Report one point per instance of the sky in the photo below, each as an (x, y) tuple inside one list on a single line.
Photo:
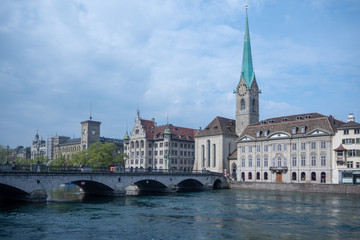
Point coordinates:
[(61, 61)]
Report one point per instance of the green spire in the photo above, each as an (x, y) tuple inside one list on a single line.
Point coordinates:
[(247, 67), (126, 137)]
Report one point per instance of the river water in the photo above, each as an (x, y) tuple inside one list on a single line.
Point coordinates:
[(221, 214)]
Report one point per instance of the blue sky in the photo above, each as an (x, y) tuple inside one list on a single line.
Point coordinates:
[(177, 57)]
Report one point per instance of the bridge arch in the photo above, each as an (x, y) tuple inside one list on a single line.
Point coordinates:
[(190, 185), (12, 192), (149, 185), (93, 187), (218, 184)]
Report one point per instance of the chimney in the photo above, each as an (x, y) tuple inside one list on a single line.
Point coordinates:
[(351, 117)]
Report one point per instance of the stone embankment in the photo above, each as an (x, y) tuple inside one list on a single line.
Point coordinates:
[(297, 187)]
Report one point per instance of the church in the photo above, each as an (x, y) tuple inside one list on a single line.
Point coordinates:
[(291, 149)]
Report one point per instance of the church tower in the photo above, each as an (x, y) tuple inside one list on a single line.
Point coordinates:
[(247, 91)]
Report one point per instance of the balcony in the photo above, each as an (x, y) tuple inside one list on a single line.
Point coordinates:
[(281, 169)]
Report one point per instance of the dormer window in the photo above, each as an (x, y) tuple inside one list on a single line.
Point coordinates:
[(258, 132), (271, 121), (266, 132), (299, 117), (284, 119), (308, 116), (293, 130), (302, 129)]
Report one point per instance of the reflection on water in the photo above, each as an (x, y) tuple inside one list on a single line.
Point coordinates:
[(66, 193), (223, 214)]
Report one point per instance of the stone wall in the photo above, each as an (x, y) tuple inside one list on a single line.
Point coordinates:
[(301, 187)]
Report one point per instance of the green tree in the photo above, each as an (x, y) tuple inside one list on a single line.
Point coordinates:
[(99, 155)]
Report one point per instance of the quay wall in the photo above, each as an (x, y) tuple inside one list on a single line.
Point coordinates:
[(298, 187)]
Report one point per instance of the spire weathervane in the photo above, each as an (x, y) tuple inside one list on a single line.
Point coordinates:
[(246, 6)]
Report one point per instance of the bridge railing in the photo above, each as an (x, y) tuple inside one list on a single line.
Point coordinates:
[(37, 168)]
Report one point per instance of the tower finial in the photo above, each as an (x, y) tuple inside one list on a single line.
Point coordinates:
[(90, 112), (246, 6)]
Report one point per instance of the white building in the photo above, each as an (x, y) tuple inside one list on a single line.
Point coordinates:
[(346, 147)]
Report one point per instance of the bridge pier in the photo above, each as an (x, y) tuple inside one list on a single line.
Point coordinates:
[(36, 196)]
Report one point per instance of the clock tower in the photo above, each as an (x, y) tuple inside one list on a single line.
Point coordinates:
[(247, 91), (90, 133)]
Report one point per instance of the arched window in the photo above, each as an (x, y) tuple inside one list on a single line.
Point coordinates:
[(203, 155), (132, 144), (258, 175), (242, 104), (137, 144), (313, 176), (250, 175), (233, 166), (293, 176), (253, 105), (214, 150), (208, 153), (265, 176), (303, 176), (279, 147), (142, 143), (243, 176), (323, 177), (279, 162)]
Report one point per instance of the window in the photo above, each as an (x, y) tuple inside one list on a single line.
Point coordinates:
[(303, 161), (214, 151), (208, 152), (346, 132), (303, 146), (266, 132), (250, 175), (242, 104), (294, 161), (293, 130), (351, 153), (348, 141), (350, 164), (150, 161), (279, 162), (243, 162), (285, 147), (250, 162), (358, 165), (303, 176), (322, 144), (357, 131), (250, 148), (302, 129), (323, 160), (203, 155), (161, 144), (265, 148), (293, 146), (273, 147), (243, 149), (313, 176), (313, 161), (161, 152), (266, 162), (257, 176), (293, 176), (265, 176), (258, 148), (279, 147), (313, 145), (258, 162), (258, 133), (136, 161)]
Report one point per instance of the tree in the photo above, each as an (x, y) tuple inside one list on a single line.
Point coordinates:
[(99, 155)]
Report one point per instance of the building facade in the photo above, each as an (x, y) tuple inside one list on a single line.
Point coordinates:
[(159, 147), (38, 147), (346, 146), (90, 133), (292, 149), (215, 144)]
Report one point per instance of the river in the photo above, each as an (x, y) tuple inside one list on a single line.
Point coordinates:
[(220, 214)]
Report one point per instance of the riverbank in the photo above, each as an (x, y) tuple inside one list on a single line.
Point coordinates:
[(297, 187)]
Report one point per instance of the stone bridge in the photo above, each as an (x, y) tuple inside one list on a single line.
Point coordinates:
[(35, 186)]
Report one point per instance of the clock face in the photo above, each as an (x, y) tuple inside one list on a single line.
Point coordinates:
[(242, 90), (93, 132)]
